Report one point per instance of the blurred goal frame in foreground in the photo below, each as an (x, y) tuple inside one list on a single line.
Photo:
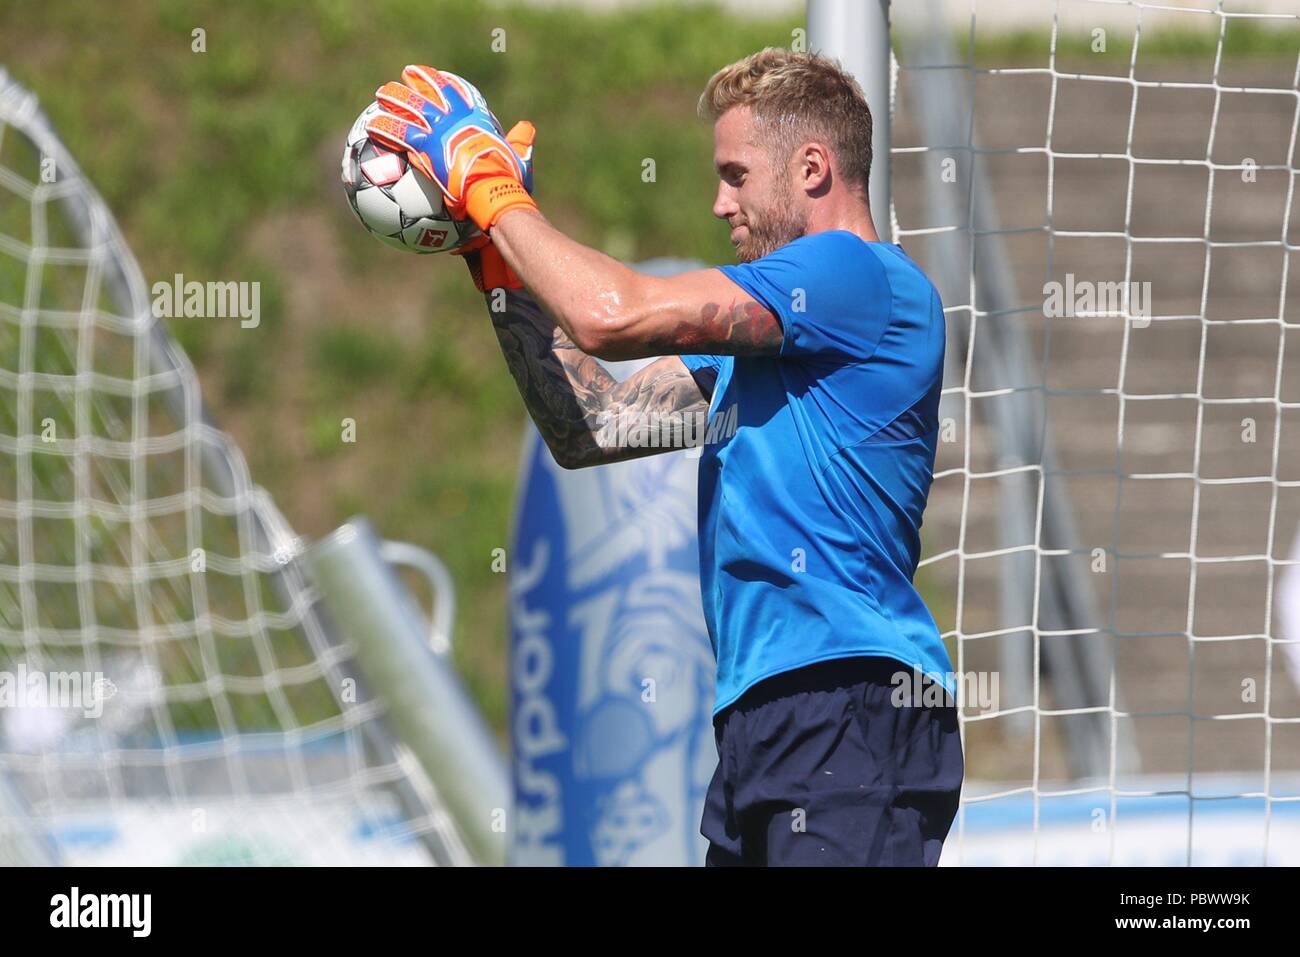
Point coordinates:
[(366, 661)]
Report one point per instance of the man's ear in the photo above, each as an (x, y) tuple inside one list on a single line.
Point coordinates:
[(815, 167)]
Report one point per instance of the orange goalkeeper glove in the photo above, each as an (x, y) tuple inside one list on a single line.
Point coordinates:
[(445, 127)]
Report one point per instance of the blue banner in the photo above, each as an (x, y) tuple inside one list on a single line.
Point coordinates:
[(611, 669)]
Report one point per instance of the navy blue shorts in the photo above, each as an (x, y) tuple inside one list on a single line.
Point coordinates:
[(817, 766)]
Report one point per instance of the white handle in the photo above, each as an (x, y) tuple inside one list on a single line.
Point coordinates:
[(439, 579)]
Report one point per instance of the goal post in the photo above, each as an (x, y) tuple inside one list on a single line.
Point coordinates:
[(856, 33)]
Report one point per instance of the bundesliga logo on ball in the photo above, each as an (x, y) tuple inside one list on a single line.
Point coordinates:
[(394, 200)]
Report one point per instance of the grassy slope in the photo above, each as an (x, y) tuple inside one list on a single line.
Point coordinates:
[(223, 165)]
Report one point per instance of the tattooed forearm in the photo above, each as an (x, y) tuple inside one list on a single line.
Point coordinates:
[(741, 329), (585, 416)]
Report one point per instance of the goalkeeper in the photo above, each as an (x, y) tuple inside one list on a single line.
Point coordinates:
[(823, 349)]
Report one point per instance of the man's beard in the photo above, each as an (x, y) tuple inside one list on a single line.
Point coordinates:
[(769, 230)]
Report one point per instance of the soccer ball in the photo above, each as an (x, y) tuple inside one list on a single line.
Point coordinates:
[(394, 200)]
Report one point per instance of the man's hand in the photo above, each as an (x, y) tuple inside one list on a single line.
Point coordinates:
[(446, 129)]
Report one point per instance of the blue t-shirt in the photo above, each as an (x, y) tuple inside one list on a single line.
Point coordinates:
[(816, 466)]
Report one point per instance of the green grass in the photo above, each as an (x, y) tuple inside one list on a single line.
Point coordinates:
[(344, 354)]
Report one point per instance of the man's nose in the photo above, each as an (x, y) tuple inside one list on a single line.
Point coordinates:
[(725, 202)]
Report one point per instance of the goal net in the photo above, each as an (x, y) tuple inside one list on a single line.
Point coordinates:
[(1106, 194), (170, 690)]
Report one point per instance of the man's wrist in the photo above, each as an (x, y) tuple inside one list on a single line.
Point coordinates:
[(487, 200), (527, 210)]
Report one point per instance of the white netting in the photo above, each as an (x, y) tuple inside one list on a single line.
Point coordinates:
[(1118, 489), (143, 575)]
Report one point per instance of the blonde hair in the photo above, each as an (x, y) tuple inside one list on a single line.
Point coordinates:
[(796, 97)]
